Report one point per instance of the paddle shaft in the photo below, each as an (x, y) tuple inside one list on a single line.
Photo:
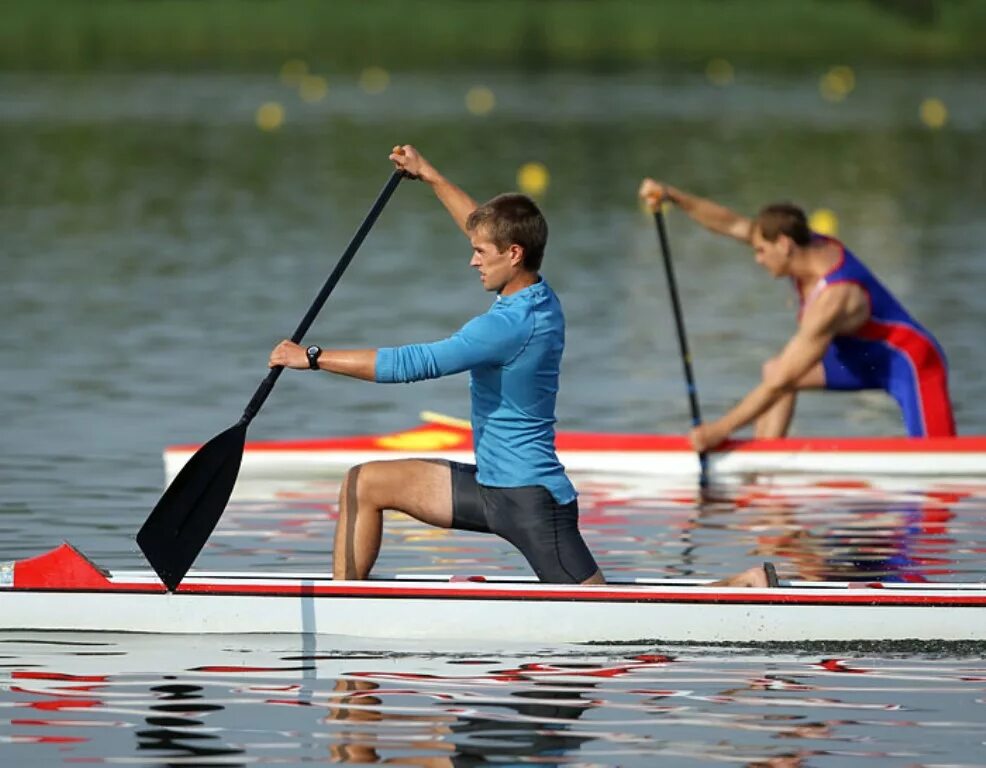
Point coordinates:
[(185, 516), (679, 322), (260, 396)]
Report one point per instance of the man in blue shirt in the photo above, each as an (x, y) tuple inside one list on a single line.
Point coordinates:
[(517, 489)]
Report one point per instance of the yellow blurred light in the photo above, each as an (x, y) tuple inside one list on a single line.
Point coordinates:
[(270, 116), (837, 83), (374, 79), (533, 178), (313, 88), (824, 222), (480, 100), (292, 71), (846, 76), (934, 113), (719, 72), (425, 534)]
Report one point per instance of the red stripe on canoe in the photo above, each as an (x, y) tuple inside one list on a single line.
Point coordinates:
[(453, 438)]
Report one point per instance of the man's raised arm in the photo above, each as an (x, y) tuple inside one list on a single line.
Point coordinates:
[(714, 217), (459, 205), (834, 311)]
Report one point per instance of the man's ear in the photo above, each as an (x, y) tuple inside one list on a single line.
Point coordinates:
[(516, 255), (788, 244)]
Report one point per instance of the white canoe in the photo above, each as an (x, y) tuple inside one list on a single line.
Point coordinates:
[(641, 454), (62, 590)]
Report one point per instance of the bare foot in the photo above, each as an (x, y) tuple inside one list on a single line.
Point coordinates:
[(758, 577), (596, 578)]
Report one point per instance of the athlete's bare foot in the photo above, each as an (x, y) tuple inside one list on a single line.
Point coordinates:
[(596, 578), (759, 577)]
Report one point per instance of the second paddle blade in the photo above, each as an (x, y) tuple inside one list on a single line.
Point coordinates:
[(184, 518)]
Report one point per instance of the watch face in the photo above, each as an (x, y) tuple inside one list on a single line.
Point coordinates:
[(313, 350)]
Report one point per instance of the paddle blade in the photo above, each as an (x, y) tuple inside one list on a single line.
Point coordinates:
[(183, 519)]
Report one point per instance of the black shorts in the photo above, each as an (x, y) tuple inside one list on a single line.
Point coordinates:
[(545, 532)]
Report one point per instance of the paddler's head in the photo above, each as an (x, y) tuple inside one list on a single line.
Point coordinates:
[(779, 231), (508, 235)]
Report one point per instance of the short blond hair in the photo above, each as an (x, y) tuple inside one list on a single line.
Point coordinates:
[(513, 219)]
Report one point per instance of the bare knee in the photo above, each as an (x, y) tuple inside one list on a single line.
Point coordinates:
[(364, 482), (419, 488), (348, 489), (389, 485), (365, 485), (349, 479)]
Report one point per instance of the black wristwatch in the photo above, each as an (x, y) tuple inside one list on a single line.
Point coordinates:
[(313, 352)]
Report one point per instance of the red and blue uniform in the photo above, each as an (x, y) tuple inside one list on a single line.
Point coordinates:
[(890, 351)]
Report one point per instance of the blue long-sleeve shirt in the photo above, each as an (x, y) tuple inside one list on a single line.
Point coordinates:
[(513, 352)]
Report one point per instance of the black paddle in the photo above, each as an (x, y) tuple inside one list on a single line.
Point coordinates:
[(178, 527), (686, 357)]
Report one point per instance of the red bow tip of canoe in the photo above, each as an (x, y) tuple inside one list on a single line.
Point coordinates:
[(64, 567)]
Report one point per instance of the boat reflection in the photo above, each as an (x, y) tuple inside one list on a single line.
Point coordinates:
[(812, 528), (831, 534), (179, 733), (265, 699), (535, 716), (831, 530), (531, 725)]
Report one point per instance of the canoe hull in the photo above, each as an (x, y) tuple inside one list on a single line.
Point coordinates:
[(63, 591), (478, 619), (635, 454)]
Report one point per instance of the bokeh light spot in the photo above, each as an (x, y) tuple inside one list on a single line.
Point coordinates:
[(720, 72), (480, 100), (837, 83), (292, 71), (270, 116), (374, 79), (824, 222), (533, 178), (934, 113), (313, 88)]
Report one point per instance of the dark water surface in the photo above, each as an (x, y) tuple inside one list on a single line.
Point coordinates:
[(156, 244)]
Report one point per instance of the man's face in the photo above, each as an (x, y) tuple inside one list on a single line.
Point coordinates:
[(775, 256), (495, 267)]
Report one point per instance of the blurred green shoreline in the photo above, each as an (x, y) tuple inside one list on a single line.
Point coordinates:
[(429, 35)]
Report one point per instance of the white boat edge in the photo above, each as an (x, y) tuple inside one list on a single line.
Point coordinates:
[(91, 600)]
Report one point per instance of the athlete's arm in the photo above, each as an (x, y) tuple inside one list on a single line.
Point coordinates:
[(714, 217), (490, 339), (358, 363), (458, 203), (836, 310)]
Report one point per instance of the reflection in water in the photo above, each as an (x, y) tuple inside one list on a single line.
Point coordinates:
[(186, 739), (257, 700), (835, 536), (527, 725), (824, 529), (363, 727)]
